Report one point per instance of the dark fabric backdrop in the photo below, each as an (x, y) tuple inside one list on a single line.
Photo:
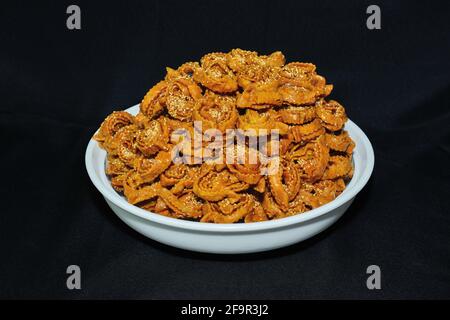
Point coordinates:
[(57, 85)]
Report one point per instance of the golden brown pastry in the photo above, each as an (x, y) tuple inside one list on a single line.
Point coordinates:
[(216, 112), (215, 74), (261, 123), (332, 114), (288, 152)]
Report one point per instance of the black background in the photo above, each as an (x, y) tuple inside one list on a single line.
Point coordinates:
[(57, 85)]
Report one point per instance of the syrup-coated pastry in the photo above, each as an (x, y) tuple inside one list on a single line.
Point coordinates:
[(332, 114), (261, 123), (236, 137), (252, 69), (307, 132), (153, 138), (285, 182), (228, 210), (154, 101), (180, 177), (123, 145), (301, 85), (256, 214), (321, 192), (241, 60), (150, 168), (176, 96), (215, 74), (338, 167), (297, 115), (245, 164), (181, 97), (340, 142), (186, 70), (312, 159), (112, 124), (216, 112), (188, 205), (214, 184), (260, 95)]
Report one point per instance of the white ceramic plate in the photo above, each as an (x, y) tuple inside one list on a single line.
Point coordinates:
[(233, 238)]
